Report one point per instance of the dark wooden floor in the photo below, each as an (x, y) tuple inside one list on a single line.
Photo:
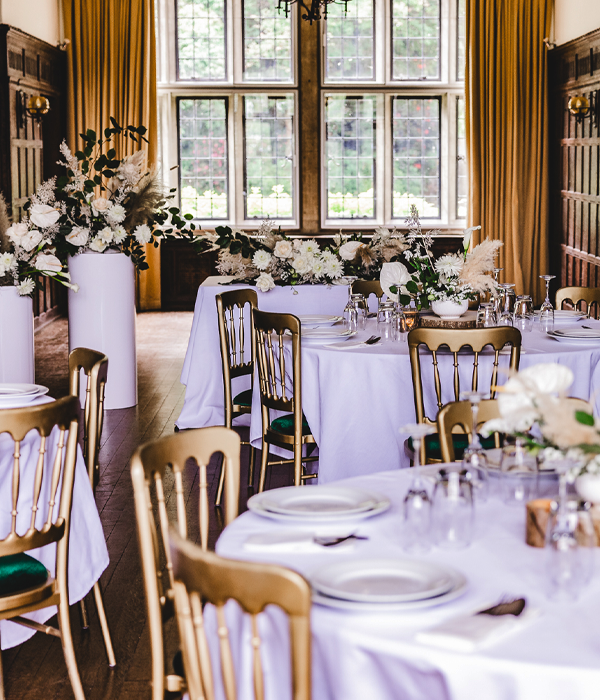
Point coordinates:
[(36, 669)]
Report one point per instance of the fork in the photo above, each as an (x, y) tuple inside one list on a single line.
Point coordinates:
[(332, 541)]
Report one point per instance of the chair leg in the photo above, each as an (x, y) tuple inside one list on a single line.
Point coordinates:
[(251, 466), (66, 637), (221, 481), (297, 465), (264, 458), (2, 696), (110, 654), (83, 614)]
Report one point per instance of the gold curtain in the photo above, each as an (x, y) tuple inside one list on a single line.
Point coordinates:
[(112, 73), (507, 132)]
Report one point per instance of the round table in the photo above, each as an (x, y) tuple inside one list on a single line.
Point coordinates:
[(355, 400), (375, 655)]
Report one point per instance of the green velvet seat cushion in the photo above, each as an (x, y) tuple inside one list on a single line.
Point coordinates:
[(19, 572), (461, 442), (285, 424), (243, 399)]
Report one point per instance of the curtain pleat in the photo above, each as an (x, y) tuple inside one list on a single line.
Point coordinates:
[(112, 73), (507, 132)]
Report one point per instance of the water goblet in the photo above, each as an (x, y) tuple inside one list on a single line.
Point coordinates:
[(475, 462), (497, 271), (546, 309), (417, 504)]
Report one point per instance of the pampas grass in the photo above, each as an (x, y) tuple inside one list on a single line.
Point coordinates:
[(478, 264), (4, 226), (144, 200)]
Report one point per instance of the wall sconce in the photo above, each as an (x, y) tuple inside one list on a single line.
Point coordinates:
[(35, 107), (581, 108)]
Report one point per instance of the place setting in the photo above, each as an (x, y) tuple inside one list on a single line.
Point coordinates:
[(20, 394)]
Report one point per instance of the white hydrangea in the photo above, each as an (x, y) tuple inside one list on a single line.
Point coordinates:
[(261, 259)]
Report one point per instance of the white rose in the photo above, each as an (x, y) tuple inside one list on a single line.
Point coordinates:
[(98, 245), (31, 240), (106, 235), (116, 214), (100, 205), (16, 232), (283, 249), (393, 274), (261, 259), (43, 215), (79, 236), (301, 264), (119, 234), (143, 234), (264, 282), (348, 250), (47, 263), (26, 287)]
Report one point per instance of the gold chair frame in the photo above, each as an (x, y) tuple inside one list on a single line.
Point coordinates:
[(205, 577), (17, 422), (366, 288), (273, 392), (455, 339), (232, 340), (576, 295), (148, 468), (457, 417)]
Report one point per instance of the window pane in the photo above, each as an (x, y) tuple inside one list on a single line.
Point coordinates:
[(461, 161), (461, 31), (203, 157), (350, 156), (201, 40), (267, 42), (269, 153), (416, 39), (350, 41), (416, 156)]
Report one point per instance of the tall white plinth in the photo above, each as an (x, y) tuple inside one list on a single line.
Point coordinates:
[(17, 363), (102, 317)]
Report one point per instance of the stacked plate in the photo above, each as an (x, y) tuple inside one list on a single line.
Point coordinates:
[(376, 585), (576, 334), (311, 504), (565, 315), (317, 336), (16, 395), (318, 320)]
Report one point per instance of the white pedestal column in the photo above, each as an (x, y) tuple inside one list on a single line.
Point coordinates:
[(17, 363), (102, 317)]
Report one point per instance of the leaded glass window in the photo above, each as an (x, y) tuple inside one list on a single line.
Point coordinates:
[(201, 33), (415, 39), (267, 42), (350, 41), (462, 183)]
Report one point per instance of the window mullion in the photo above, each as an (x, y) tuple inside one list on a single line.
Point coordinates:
[(236, 157), (380, 138), (235, 36)]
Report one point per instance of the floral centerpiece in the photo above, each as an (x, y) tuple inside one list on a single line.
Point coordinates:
[(454, 277), (269, 258)]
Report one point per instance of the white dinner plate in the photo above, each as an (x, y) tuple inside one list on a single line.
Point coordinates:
[(577, 332), (19, 389), (574, 338), (565, 315), (383, 580), (318, 336), (10, 397), (318, 320), (329, 501)]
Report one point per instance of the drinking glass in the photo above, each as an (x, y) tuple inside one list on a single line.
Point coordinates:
[(523, 314), (411, 316), (475, 462), (399, 330), (486, 315), (546, 309), (385, 319), (417, 504), (452, 510), (505, 317), (355, 313), (519, 470)]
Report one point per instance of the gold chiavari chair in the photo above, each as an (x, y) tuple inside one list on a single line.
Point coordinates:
[(150, 477), (441, 341), (455, 426), (203, 577), (281, 390), (366, 288), (25, 583), (95, 367), (576, 295), (235, 326)]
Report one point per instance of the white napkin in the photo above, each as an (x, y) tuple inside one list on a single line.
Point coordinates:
[(348, 346), (468, 633), (290, 541)]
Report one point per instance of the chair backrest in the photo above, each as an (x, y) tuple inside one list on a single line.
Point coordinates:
[(576, 295), (95, 367), (280, 385), (457, 417), (236, 330), (454, 340), (366, 288), (48, 491), (205, 577), (149, 473)]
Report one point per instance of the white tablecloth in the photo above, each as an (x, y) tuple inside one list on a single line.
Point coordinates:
[(202, 371), (375, 655), (356, 400), (88, 555)]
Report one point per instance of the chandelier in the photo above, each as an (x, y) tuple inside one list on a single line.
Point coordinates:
[(314, 10)]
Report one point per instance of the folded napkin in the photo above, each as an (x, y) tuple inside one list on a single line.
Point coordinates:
[(470, 632), (291, 541), (349, 345)]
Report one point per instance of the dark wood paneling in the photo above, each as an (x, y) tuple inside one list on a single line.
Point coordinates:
[(575, 164)]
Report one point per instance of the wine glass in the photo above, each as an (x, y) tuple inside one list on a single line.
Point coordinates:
[(348, 279), (546, 309), (497, 271), (523, 314), (417, 504), (475, 461)]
